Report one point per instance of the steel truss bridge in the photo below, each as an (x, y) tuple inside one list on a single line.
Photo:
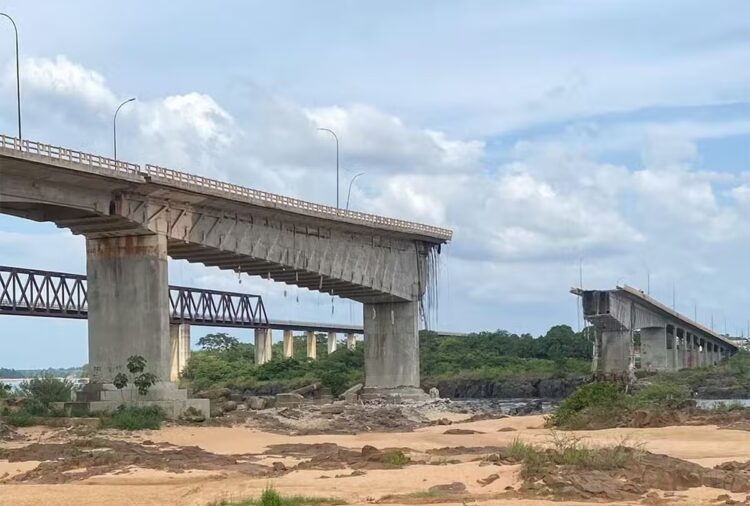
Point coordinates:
[(29, 292)]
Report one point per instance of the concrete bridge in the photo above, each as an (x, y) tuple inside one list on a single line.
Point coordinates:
[(134, 217), (668, 340)]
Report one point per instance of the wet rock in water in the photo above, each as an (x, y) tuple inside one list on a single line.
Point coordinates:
[(461, 432), (449, 488)]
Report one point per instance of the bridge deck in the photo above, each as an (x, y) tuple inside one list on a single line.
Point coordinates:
[(86, 162)]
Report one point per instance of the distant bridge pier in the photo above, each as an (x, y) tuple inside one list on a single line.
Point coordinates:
[(288, 343), (332, 344), (312, 345), (179, 340), (263, 345), (351, 341), (128, 305), (654, 349)]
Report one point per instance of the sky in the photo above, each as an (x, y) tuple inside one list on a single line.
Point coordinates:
[(605, 137)]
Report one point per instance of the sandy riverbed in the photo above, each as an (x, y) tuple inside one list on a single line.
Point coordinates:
[(705, 445)]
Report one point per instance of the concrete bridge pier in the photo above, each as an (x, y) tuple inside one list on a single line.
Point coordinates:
[(128, 302), (392, 350), (179, 339), (614, 350), (332, 343), (288, 344), (128, 314), (351, 341), (263, 346), (653, 348), (312, 345)]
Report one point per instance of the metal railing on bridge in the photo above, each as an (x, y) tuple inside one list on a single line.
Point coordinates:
[(29, 292)]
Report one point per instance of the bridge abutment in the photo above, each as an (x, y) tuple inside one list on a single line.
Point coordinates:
[(392, 350), (128, 304)]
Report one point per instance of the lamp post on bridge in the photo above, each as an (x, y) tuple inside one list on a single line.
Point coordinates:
[(337, 161), (18, 74), (349, 193), (114, 127)]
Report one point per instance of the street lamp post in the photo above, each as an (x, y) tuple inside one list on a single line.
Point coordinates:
[(114, 125), (18, 74), (337, 162), (349, 193)]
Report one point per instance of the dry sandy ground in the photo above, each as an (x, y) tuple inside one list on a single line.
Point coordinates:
[(706, 445)]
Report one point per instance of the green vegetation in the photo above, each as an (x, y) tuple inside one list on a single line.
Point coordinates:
[(46, 389), (226, 362), (135, 418), (570, 451), (397, 459), (33, 373), (588, 404), (4, 390), (36, 394), (271, 497), (141, 380)]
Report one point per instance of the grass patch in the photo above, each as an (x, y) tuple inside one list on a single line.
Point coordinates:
[(396, 459), (570, 451), (270, 497), (135, 418)]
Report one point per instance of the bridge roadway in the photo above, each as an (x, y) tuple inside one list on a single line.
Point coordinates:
[(668, 340), (134, 217)]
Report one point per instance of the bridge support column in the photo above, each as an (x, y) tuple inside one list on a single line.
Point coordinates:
[(288, 344), (654, 349), (263, 343), (312, 345), (614, 354), (179, 339), (332, 344), (392, 350), (128, 301), (351, 341)]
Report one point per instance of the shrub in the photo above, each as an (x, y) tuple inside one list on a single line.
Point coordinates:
[(596, 400), (662, 395), (396, 459), (135, 418), (19, 419), (46, 389)]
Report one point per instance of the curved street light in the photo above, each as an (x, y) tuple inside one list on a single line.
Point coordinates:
[(337, 161), (114, 125), (18, 74), (349, 193)]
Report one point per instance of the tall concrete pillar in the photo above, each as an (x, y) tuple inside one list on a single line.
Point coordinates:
[(288, 344), (128, 305), (702, 354), (312, 345), (392, 349), (263, 346), (671, 350), (654, 349), (332, 344), (179, 340), (351, 341), (614, 351)]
